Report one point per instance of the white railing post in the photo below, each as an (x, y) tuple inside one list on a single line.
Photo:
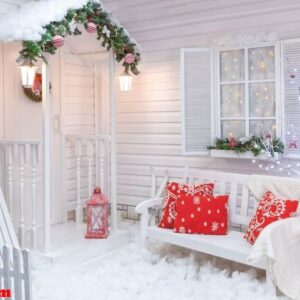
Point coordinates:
[(90, 161), (10, 185), (21, 230), (46, 157), (101, 163), (78, 146), (15, 187), (113, 155), (33, 164)]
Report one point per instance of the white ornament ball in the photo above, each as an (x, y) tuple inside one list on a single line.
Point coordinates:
[(58, 41)]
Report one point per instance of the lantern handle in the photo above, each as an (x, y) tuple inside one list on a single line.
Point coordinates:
[(97, 190)]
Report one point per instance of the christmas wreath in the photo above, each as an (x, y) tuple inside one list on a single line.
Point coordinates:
[(94, 19), (257, 145), (32, 95)]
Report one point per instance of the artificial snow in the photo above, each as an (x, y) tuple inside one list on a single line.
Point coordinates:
[(26, 22), (163, 273)]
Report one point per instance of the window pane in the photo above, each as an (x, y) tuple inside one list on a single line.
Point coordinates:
[(262, 63), (262, 127), (232, 100), (262, 100), (234, 129), (232, 65)]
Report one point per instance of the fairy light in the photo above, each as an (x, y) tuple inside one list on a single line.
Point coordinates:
[(281, 163)]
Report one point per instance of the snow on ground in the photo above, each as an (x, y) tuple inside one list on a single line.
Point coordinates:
[(164, 273)]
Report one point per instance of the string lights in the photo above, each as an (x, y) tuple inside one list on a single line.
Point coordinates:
[(261, 96), (262, 104)]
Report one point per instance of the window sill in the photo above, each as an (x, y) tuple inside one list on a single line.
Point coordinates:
[(234, 154)]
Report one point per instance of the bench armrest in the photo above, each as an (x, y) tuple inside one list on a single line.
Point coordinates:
[(142, 207)]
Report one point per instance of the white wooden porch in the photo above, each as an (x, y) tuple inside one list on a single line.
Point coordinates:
[(55, 176), (88, 157), (68, 245)]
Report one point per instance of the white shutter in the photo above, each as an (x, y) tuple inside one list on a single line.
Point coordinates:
[(197, 99), (290, 57)]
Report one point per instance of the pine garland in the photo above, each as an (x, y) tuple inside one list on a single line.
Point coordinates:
[(117, 39), (257, 145)]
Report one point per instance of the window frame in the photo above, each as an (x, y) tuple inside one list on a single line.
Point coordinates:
[(277, 80)]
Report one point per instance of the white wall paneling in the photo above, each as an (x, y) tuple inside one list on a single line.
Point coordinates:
[(78, 118), (149, 117)]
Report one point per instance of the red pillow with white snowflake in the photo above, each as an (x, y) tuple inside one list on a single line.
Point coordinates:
[(202, 214), (172, 191), (269, 210)]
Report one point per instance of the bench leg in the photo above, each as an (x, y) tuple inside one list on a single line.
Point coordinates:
[(144, 225), (270, 284)]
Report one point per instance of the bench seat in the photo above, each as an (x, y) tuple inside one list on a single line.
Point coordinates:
[(231, 246)]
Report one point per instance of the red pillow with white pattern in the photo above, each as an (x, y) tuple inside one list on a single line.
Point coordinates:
[(172, 191), (202, 214), (269, 210)]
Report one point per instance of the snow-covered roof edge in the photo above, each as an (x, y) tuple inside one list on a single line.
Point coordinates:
[(26, 23), (43, 25)]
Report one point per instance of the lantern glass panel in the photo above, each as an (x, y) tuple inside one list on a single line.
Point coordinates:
[(28, 75), (125, 82), (96, 223)]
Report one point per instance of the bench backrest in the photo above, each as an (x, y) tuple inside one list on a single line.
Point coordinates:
[(241, 203)]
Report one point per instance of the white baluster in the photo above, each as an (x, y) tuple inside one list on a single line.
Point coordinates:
[(101, 164), (33, 164), (21, 231), (10, 161), (90, 160), (78, 158)]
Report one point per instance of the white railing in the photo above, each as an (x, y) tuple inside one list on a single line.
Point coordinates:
[(7, 231), (88, 157), (15, 279), (19, 174)]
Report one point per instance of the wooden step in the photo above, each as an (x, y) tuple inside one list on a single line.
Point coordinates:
[(68, 244)]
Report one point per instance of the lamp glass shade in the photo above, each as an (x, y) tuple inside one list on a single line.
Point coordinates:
[(125, 80), (28, 71)]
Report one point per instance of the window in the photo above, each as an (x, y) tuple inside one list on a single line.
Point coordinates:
[(247, 92), (239, 92)]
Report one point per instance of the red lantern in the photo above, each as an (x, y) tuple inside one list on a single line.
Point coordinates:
[(97, 216)]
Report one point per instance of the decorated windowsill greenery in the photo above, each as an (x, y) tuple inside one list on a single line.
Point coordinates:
[(253, 146)]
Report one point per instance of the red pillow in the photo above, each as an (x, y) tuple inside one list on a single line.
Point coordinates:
[(170, 199), (269, 210), (203, 214)]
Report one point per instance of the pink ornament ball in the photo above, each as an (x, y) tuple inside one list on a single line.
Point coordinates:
[(91, 27), (58, 41), (129, 58)]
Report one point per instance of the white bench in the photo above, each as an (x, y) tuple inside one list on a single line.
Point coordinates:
[(242, 206)]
